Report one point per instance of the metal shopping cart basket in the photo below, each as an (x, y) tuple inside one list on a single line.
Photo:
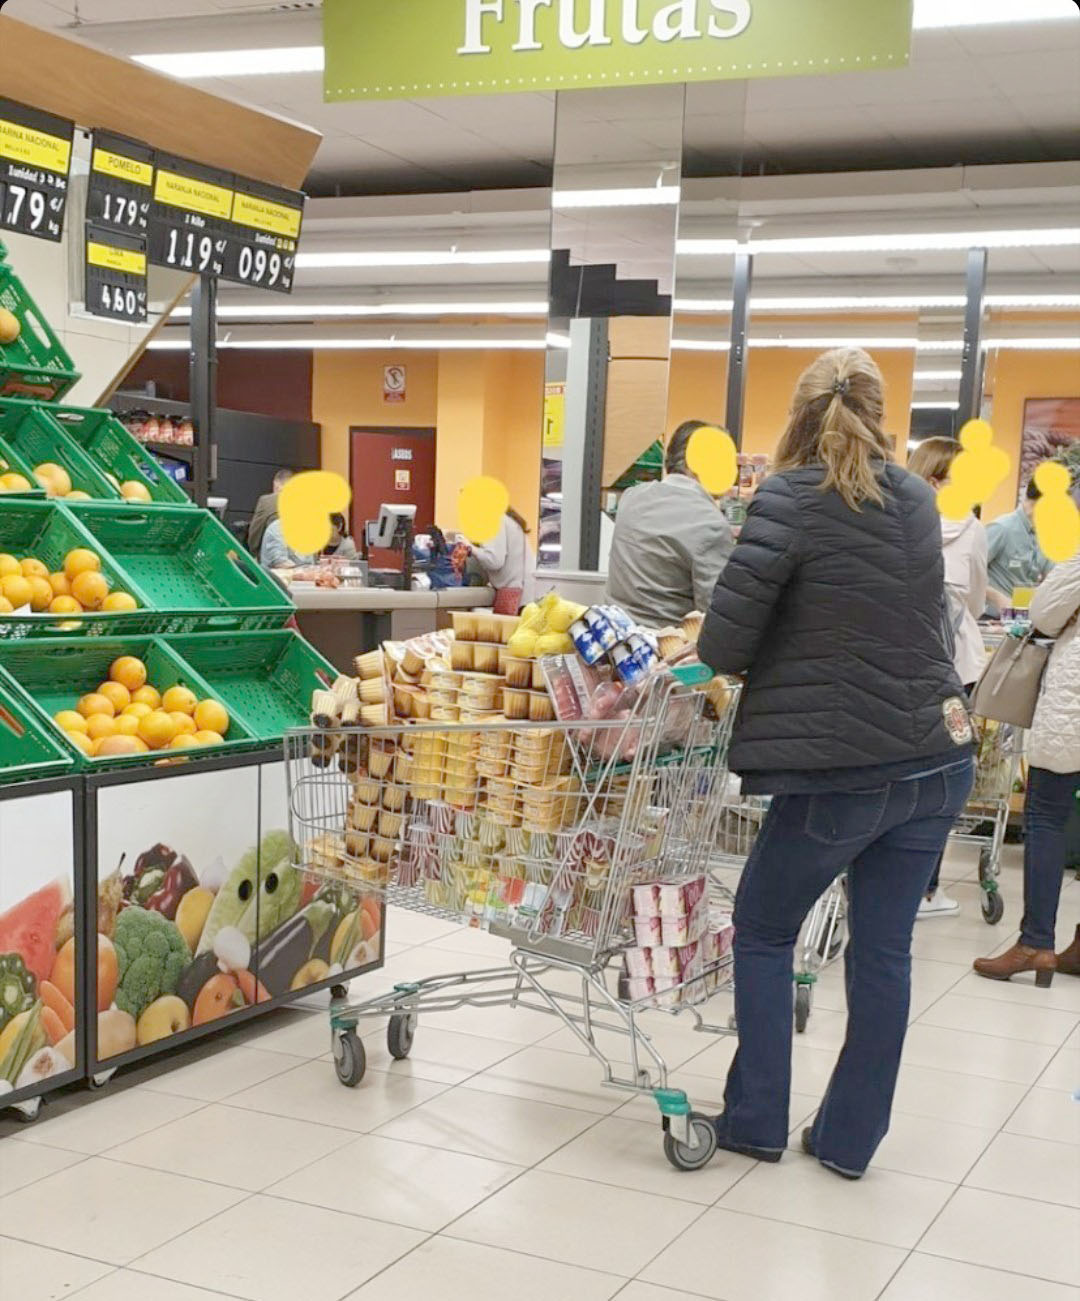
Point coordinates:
[(538, 833), (985, 817)]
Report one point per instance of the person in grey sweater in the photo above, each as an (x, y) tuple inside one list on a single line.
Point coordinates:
[(671, 543)]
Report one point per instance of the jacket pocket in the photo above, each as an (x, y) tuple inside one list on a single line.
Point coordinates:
[(847, 817)]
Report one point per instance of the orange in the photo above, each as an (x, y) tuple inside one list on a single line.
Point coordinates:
[(210, 716), (133, 490), (60, 585), (8, 565), (41, 594), (99, 726), (157, 729), (117, 693), (128, 725), (111, 746), (179, 698), (5, 606), (146, 696), (64, 605), (138, 709), (119, 601), (95, 704), (209, 738), (183, 741), (70, 721), (89, 588), (82, 741), (32, 568), (129, 672), (53, 478), (185, 724), (80, 561), (77, 494), (143, 747), (15, 483), (17, 590)]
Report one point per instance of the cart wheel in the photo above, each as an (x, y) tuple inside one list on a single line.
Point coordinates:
[(699, 1151), (802, 1007), (25, 1113), (400, 1033), (993, 907), (99, 1081), (350, 1059)]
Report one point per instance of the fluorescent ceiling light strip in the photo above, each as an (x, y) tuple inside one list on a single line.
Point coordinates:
[(934, 406), (898, 242), (932, 376), (978, 13), (239, 311), (1032, 300), (236, 63), (427, 258), (657, 196)]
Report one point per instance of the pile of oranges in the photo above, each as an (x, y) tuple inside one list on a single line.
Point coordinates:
[(126, 716), (57, 483), (76, 588)]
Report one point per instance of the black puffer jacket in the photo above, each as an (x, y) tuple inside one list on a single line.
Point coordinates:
[(835, 617)]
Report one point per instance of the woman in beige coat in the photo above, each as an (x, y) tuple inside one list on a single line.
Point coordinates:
[(1053, 784)]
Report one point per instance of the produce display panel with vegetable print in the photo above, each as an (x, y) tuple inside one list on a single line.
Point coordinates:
[(38, 973), (338, 931), (178, 905)]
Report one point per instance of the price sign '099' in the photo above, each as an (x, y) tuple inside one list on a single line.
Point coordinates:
[(35, 159)]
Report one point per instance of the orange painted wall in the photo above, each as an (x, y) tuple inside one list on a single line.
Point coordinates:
[(1013, 376)]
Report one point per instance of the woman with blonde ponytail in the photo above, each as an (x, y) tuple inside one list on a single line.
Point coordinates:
[(853, 719)]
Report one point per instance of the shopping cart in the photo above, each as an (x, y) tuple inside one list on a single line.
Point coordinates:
[(538, 833), (985, 817)]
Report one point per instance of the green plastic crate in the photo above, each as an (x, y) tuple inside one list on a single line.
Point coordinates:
[(264, 678), (53, 675), (33, 434), (36, 365), (28, 748), (46, 531), (112, 449)]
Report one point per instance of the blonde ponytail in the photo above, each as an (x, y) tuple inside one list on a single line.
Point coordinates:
[(836, 416)]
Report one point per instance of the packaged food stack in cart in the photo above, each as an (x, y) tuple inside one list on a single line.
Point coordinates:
[(681, 943)]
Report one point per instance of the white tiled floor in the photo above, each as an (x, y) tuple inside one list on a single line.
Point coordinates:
[(493, 1165)]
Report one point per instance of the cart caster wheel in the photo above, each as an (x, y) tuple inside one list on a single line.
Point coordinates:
[(993, 907), (25, 1113), (339, 992), (99, 1081), (802, 1008), (400, 1033), (699, 1151), (350, 1059)]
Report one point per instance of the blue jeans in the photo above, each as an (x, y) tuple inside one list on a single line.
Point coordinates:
[(1047, 807), (889, 840)]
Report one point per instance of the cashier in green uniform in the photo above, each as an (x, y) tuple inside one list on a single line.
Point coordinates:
[(1015, 558)]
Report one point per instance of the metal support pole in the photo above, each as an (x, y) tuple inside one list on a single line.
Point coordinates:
[(971, 367), (203, 384), (742, 280), (592, 470)]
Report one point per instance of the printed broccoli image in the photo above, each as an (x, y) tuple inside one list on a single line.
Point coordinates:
[(151, 954)]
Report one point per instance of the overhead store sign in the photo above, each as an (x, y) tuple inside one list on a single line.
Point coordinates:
[(35, 159), (115, 274), (428, 48)]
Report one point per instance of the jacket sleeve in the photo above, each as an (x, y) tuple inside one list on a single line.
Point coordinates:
[(274, 554), (1058, 599), (493, 555), (760, 567), (709, 558)]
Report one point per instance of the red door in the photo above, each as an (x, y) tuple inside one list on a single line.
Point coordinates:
[(391, 465)]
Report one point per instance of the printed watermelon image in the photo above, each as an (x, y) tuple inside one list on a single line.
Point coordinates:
[(30, 927)]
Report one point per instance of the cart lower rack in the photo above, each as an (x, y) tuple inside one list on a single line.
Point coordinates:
[(556, 836)]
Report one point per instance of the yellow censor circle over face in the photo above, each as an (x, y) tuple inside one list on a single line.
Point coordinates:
[(975, 474), (1056, 518), (305, 505), (482, 503), (711, 454)]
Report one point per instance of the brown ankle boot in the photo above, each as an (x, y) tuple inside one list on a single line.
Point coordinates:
[(1068, 963), (1017, 959)]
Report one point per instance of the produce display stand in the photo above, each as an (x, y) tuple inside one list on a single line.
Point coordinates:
[(36, 365), (242, 801), (43, 898)]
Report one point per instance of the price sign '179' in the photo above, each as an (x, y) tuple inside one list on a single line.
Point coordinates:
[(35, 159)]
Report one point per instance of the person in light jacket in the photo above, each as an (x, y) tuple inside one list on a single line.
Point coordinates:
[(1053, 754), (670, 543), (509, 562), (965, 548)]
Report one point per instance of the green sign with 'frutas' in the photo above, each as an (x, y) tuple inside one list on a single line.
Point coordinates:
[(401, 49)]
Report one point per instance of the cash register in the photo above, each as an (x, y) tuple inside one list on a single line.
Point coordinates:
[(393, 532)]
